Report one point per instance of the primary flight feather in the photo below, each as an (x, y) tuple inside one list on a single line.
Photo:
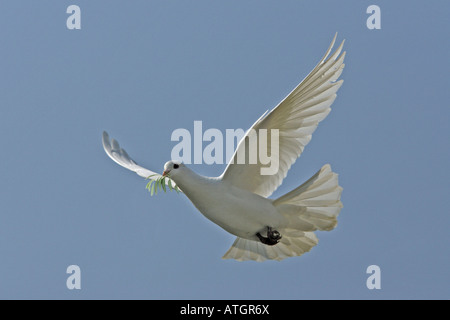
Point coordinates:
[(237, 200)]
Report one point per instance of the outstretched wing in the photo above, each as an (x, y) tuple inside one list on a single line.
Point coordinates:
[(296, 118), (121, 157)]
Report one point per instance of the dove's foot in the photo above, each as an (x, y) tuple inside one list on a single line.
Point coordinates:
[(273, 237)]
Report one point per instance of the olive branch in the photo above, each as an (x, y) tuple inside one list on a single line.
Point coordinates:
[(160, 183)]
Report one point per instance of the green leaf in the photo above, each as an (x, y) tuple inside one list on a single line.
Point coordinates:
[(163, 184), (152, 187), (156, 187)]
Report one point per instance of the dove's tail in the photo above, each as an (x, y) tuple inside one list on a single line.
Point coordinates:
[(314, 205), (293, 243)]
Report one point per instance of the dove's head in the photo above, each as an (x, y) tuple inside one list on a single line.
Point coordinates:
[(172, 168)]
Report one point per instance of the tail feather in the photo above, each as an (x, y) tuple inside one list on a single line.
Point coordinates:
[(314, 205), (323, 186), (294, 243)]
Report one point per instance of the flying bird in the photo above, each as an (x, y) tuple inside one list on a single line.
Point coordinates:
[(237, 200)]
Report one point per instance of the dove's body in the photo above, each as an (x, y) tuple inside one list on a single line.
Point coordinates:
[(238, 211), (238, 200)]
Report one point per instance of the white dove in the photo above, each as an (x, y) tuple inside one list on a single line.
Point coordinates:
[(237, 200)]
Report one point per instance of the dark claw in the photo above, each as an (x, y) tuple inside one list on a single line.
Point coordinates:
[(273, 237)]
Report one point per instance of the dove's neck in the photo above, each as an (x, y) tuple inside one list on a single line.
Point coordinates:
[(194, 185)]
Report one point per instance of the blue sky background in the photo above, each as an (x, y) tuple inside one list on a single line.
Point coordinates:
[(140, 70)]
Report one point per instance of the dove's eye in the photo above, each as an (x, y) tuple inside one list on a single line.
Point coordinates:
[(176, 166)]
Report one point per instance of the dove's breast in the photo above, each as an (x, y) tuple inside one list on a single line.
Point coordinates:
[(238, 211)]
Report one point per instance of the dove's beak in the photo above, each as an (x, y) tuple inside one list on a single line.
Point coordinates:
[(165, 173)]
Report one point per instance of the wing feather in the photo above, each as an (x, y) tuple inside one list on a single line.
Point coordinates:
[(121, 157), (296, 117)]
